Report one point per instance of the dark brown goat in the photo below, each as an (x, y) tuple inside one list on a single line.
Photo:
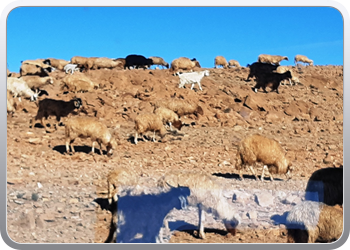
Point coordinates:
[(272, 80)]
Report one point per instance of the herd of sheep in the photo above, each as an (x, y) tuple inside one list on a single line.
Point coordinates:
[(313, 220)]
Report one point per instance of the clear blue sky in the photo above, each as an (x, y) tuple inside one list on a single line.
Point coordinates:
[(240, 33)]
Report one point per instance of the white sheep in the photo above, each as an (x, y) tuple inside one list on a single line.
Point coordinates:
[(168, 117), (310, 222), (220, 61), (89, 127), (206, 195), (71, 68), (264, 58), (179, 106), (184, 63), (18, 87), (304, 59), (149, 122), (192, 78), (257, 148)]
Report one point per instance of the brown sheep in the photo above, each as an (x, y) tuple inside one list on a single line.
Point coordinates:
[(35, 67), (310, 222), (57, 63), (37, 82), (89, 127), (159, 61), (220, 61), (283, 69), (257, 148), (149, 122), (184, 63), (59, 108), (105, 63), (169, 117), (180, 107), (326, 185), (121, 61), (304, 59), (78, 82), (233, 63), (264, 58)]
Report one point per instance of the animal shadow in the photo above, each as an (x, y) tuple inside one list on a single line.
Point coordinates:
[(78, 149)]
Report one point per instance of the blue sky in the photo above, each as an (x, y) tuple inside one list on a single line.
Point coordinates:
[(240, 33)]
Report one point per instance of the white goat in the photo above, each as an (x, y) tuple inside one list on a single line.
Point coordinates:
[(18, 87), (192, 78), (71, 67)]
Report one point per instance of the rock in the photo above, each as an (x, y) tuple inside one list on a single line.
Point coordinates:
[(264, 199)]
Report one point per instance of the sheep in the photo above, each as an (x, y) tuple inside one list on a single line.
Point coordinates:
[(264, 58), (233, 63), (159, 61), (304, 59), (143, 215), (11, 104), (192, 78), (85, 63), (283, 69), (184, 63), (220, 61), (137, 61), (259, 70), (168, 117), (273, 80), (257, 148), (121, 61), (179, 106), (32, 67), (310, 222), (51, 107), (326, 185), (36, 82), (18, 87), (71, 68), (57, 63), (206, 195), (78, 82), (149, 122), (106, 63), (89, 127)]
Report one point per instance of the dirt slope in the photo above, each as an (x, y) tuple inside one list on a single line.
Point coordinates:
[(57, 197)]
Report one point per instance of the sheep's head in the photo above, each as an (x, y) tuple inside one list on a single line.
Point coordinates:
[(111, 146), (199, 110), (206, 73), (231, 225), (177, 124), (290, 169), (285, 58)]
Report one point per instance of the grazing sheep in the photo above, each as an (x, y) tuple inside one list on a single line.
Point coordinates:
[(71, 67), (179, 106), (310, 222), (121, 61), (57, 63), (326, 185), (304, 59), (149, 122), (85, 63), (206, 194), (159, 61), (78, 82), (137, 61), (264, 58), (184, 63), (37, 82), (140, 217), (169, 117), (120, 176), (59, 108), (89, 127), (257, 148), (192, 78), (35, 67), (105, 63), (283, 69), (259, 70), (233, 63), (272, 80), (18, 87), (220, 61)]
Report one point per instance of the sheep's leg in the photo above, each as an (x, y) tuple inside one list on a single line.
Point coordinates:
[(170, 126), (93, 148), (263, 172), (200, 87), (67, 145), (201, 218), (241, 175), (192, 86), (252, 169), (154, 136), (135, 138)]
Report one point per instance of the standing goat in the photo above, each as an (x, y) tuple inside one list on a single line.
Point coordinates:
[(192, 78), (272, 80), (206, 195), (257, 148), (18, 87)]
